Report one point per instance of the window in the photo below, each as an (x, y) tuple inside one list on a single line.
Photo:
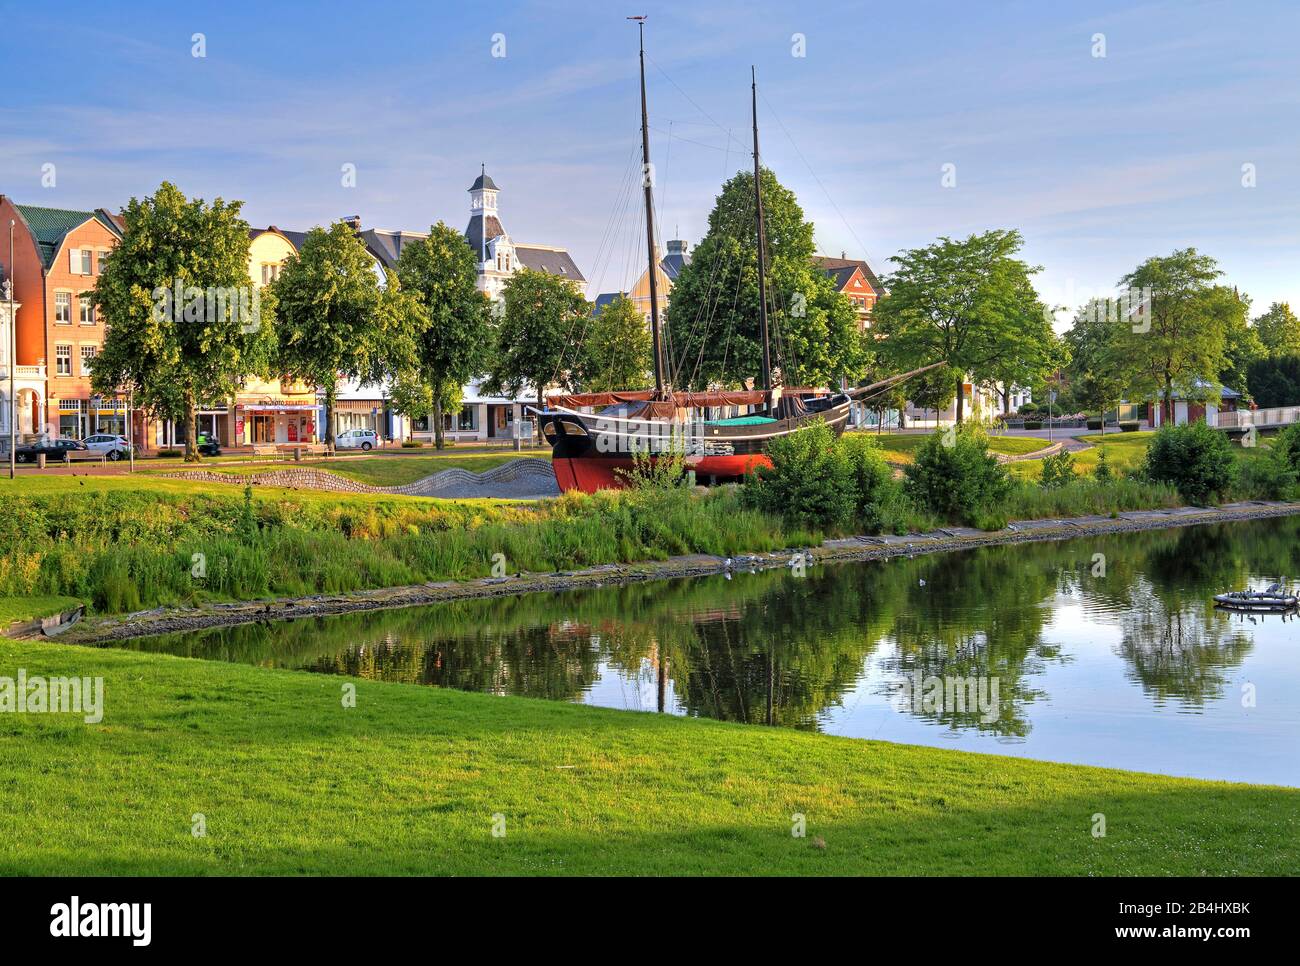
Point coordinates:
[(63, 360), (270, 272), (63, 308), (466, 421), (88, 353), (87, 310), (99, 259)]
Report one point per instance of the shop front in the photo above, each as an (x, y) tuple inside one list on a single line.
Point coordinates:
[(274, 423), (79, 418)]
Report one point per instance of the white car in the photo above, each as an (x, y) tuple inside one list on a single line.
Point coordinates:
[(113, 447), (363, 439)]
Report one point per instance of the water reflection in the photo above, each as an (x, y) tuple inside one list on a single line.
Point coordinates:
[(840, 648)]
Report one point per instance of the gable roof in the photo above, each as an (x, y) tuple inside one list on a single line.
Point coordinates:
[(387, 245), (836, 269), (49, 226), (542, 258)]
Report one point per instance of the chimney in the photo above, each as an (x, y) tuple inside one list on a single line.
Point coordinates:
[(844, 254), (352, 221)]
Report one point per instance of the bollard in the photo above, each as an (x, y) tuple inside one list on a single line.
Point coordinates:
[(297, 454), (40, 461)]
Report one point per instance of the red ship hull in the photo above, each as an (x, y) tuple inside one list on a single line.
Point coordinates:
[(592, 473)]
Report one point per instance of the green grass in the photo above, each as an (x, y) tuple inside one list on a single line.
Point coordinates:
[(288, 781), (900, 447), (124, 548), (1124, 451), (14, 609), (385, 470)]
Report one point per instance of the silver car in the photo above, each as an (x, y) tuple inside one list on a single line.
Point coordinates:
[(362, 439), (113, 447)]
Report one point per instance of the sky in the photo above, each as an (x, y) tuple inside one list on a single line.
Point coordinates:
[(1105, 132)]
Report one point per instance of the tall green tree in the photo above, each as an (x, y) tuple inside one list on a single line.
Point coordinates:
[(617, 350), (712, 319), (1242, 344), (456, 337), (970, 302), (1095, 381), (1275, 381), (1279, 330), (1175, 326), (542, 320), (184, 322), (336, 322)]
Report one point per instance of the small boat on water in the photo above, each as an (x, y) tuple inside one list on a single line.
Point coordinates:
[(1274, 598)]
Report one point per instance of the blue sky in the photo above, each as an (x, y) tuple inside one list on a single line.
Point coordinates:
[(1099, 161)]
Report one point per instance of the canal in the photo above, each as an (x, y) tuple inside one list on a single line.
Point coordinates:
[(1101, 650)]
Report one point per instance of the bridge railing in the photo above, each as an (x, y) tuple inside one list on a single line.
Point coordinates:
[(1280, 416)]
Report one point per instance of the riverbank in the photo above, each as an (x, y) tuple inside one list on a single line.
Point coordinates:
[(219, 769), (169, 620)]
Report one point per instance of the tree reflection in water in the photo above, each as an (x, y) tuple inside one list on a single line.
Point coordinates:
[(784, 650)]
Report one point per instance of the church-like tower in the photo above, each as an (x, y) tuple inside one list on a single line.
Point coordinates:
[(487, 237)]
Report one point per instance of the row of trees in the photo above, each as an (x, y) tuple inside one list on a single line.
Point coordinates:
[(177, 341), (1179, 330)]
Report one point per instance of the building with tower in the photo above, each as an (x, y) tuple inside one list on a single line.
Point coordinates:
[(499, 256)]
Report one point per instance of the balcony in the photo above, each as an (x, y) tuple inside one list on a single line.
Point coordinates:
[(23, 373)]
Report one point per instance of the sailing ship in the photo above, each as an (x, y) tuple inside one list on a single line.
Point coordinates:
[(593, 451)]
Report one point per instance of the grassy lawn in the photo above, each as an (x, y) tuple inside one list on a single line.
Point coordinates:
[(1123, 451), (144, 483), (900, 448), (408, 781), (28, 608), (385, 470)]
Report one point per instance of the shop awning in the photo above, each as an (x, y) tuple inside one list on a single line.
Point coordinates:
[(273, 408)]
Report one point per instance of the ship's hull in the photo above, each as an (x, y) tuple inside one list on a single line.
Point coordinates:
[(591, 453)]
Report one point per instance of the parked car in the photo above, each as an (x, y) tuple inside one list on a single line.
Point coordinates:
[(363, 439), (53, 449), (113, 447)]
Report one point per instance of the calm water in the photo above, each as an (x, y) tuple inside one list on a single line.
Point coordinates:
[(1130, 669)]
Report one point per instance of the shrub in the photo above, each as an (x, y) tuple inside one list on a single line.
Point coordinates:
[(1058, 470), (1033, 424), (169, 454), (1196, 459), (1102, 473), (1094, 423), (1286, 448), (1274, 473), (665, 471), (956, 477), (412, 444), (810, 482), (875, 490), (1129, 425)]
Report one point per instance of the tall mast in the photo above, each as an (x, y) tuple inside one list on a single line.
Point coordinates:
[(762, 272), (649, 222)]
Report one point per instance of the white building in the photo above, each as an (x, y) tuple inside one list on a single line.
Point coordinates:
[(499, 256), (29, 381), (482, 417)]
